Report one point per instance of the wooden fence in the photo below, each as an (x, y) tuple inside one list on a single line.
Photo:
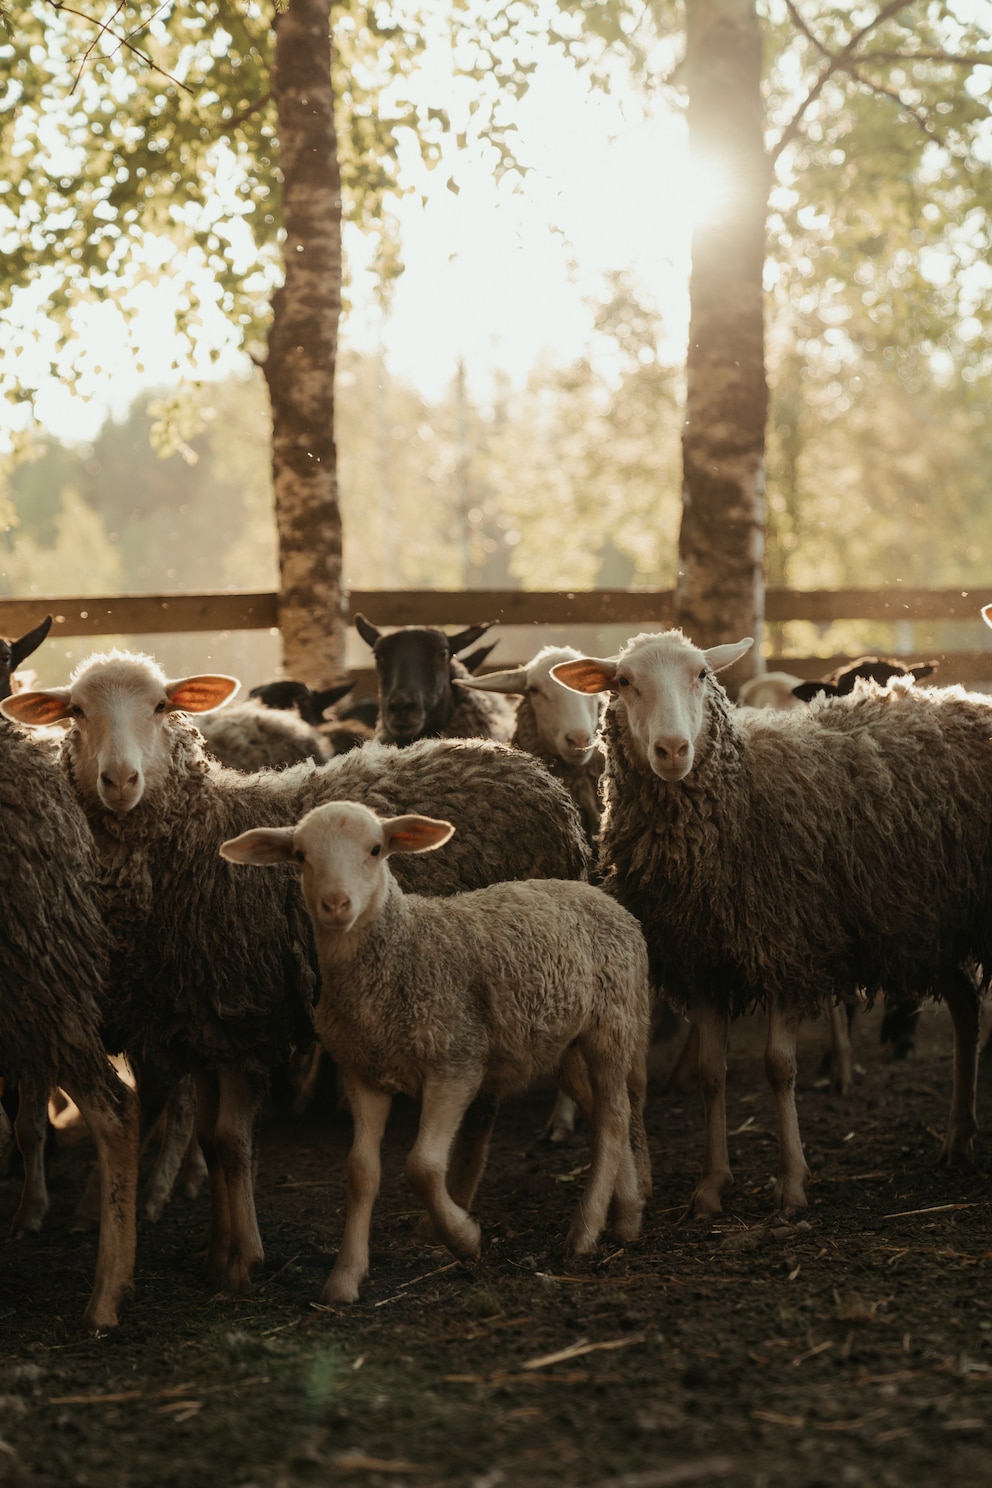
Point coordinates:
[(156, 614)]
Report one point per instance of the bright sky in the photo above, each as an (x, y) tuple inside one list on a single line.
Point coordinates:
[(496, 276)]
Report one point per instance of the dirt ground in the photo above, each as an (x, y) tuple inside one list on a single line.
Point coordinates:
[(851, 1348)]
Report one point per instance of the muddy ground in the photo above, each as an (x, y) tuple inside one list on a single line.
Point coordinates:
[(852, 1348)]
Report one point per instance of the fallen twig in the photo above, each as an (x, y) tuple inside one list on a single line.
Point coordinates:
[(408, 1284), (673, 1477), (576, 1350), (933, 1209)]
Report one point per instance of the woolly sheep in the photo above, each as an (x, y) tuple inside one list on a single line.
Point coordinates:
[(216, 975), (556, 725), (442, 999), (845, 679), (781, 859), (345, 729), (416, 668), (770, 690), (250, 736), (53, 979)]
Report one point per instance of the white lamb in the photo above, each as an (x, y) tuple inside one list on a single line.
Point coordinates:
[(476, 994)]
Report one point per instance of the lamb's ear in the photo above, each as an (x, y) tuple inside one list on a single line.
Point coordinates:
[(719, 657), (987, 614), (200, 694), (263, 846), (37, 708), (414, 833), (589, 674), (512, 681)]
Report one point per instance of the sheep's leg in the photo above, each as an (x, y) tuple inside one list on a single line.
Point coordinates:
[(158, 1092), (612, 1171), (714, 1033), (561, 1123), (841, 1048), (686, 1067), (207, 1111), (369, 1114), (780, 1068), (31, 1129), (961, 993), (239, 1105), (112, 1118), (7, 1140), (444, 1102), (574, 1078), (194, 1169), (179, 1129), (469, 1153)]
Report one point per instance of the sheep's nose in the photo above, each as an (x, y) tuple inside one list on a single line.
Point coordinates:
[(120, 782), (672, 751), (578, 739), (336, 906)]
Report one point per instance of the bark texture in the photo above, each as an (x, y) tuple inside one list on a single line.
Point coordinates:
[(720, 592), (299, 367)]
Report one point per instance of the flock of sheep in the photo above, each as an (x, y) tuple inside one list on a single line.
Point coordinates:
[(461, 894)]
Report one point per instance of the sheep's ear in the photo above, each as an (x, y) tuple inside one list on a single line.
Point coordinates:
[(987, 614), (415, 833), (719, 657), (200, 694), (330, 695), (588, 674), (512, 681), (367, 630), (263, 846), (29, 642), (37, 708), (465, 638)]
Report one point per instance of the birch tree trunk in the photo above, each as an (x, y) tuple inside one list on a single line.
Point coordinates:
[(720, 590), (302, 349)]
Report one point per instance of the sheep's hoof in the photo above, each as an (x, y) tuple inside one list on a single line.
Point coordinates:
[(958, 1150), (580, 1243), (789, 1195), (340, 1287), (705, 1202)]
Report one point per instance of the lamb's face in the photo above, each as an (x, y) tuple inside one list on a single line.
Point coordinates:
[(118, 705), (660, 684), (566, 721)]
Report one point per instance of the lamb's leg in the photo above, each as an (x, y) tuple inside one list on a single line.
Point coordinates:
[(780, 1068), (443, 1104), (628, 1197), (714, 1033), (31, 1128), (686, 1067), (612, 1172), (960, 990), (112, 1118), (561, 1123), (219, 1241), (469, 1153), (179, 1129), (194, 1169), (369, 1114), (240, 1102)]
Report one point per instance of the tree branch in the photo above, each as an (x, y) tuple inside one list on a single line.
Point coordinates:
[(105, 28)]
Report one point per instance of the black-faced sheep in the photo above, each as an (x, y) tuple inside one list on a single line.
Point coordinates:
[(782, 859), (53, 981), (442, 999), (416, 668), (12, 653), (215, 975)]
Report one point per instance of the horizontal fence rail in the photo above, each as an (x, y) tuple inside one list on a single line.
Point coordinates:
[(156, 614)]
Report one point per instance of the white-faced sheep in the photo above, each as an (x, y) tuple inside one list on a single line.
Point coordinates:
[(781, 859), (416, 668), (442, 999), (556, 725), (216, 975), (53, 980)]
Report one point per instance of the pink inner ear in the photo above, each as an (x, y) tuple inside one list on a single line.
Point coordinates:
[(200, 694), (37, 707)]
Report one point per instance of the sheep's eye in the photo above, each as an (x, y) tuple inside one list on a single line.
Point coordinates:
[(161, 707), (75, 710), (703, 675), (300, 856), (533, 690), (376, 850), (623, 681)]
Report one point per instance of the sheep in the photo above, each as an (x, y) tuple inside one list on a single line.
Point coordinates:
[(344, 730), (442, 999), (556, 725), (214, 979), (249, 736), (54, 965), (416, 667), (12, 653), (781, 859), (844, 679), (770, 690)]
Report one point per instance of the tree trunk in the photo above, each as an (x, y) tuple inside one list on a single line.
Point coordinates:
[(720, 591), (299, 367)]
